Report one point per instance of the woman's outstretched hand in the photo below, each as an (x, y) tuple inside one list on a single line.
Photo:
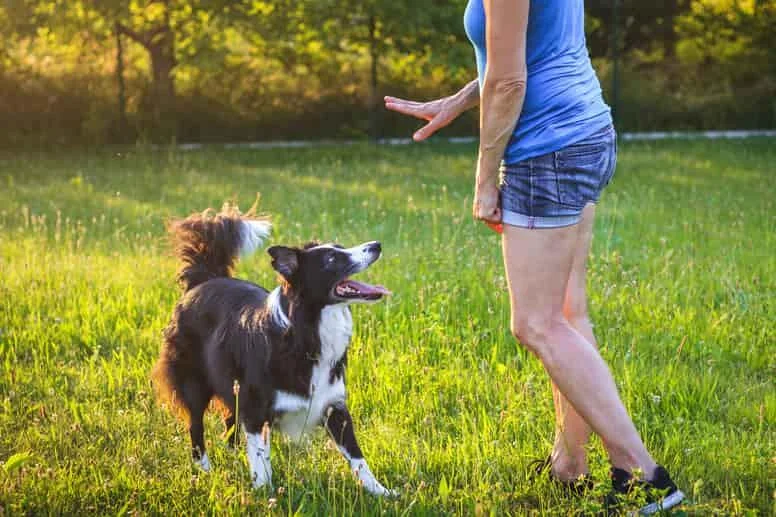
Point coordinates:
[(438, 113)]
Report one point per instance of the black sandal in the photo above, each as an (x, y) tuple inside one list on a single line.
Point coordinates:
[(575, 486)]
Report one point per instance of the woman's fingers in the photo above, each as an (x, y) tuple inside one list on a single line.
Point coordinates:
[(494, 217), (493, 220), (411, 108), (397, 100), (388, 99), (433, 112), (405, 109), (440, 120), (429, 129), (486, 206), (488, 214)]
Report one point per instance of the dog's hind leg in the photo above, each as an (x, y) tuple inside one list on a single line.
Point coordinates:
[(223, 388), (196, 397), (339, 424)]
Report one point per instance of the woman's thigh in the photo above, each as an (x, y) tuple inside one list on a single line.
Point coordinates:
[(538, 265), (575, 305)]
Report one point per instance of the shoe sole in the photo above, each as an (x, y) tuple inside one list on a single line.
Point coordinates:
[(664, 504)]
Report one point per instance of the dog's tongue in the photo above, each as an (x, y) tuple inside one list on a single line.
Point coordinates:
[(367, 289)]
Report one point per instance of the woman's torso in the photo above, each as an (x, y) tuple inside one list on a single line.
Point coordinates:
[(563, 102)]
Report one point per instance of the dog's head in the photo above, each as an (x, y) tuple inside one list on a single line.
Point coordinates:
[(320, 273)]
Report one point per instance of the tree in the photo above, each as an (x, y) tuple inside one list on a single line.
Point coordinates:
[(737, 34), (643, 26), (376, 28), (151, 28), (169, 31)]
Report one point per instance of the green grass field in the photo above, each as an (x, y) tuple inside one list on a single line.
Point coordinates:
[(449, 408)]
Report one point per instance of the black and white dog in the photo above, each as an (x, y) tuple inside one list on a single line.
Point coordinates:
[(277, 359)]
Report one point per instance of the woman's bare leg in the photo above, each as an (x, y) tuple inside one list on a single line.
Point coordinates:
[(569, 456), (538, 265)]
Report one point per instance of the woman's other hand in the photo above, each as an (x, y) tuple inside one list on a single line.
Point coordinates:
[(486, 204), (439, 113)]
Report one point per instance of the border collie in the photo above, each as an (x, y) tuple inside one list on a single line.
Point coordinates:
[(276, 359)]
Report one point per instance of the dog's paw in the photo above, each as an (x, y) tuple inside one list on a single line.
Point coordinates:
[(262, 479), (368, 481), (258, 458), (262, 476), (375, 488), (203, 463), (391, 493), (381, 491)]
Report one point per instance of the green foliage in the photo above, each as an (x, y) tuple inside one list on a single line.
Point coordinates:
[(736, 34), (449, 409), (226, 70)]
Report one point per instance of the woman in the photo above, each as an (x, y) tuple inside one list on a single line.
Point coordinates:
[(543, 117)]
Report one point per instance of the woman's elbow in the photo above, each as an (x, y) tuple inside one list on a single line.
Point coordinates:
[(512, 84)]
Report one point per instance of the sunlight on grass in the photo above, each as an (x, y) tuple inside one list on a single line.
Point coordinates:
[(450, 409)]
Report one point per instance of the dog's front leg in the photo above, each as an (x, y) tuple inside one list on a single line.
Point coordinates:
[(258, 457), (339, 424)]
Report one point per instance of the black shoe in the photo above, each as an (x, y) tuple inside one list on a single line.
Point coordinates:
[(661, 492), (573, 486)]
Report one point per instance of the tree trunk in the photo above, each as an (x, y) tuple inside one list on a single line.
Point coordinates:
[(122, 102), (159, 42), (669, 29), (615, 46), (163, 62), (374, 101)]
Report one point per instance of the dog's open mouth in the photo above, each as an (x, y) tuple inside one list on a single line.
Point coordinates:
[(352, 290)]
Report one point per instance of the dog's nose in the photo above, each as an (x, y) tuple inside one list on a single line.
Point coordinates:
[(373, 247)]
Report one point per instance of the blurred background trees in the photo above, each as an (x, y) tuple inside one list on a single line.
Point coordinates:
[(101, 71)]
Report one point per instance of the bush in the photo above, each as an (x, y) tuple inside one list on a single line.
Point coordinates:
[(672, 96), (243, 105)]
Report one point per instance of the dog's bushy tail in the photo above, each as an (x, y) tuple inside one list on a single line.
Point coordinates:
[(208, 244)]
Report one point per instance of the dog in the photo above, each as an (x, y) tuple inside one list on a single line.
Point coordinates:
[(276, 359)]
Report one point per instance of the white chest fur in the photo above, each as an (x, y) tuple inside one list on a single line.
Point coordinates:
[(300, 414), (335, 330)]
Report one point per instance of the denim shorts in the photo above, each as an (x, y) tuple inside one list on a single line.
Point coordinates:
[(550, 191)]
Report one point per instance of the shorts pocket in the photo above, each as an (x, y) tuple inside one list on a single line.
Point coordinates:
[(580, 173), (545, 193), (530, 188), (515, 187), (581, 155)]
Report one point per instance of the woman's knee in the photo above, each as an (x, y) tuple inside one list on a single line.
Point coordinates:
[(575, 304), (536, 333), (579, 319)]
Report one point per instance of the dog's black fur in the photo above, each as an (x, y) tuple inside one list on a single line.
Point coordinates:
[(224, 342)]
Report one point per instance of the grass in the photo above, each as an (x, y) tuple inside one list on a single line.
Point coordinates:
[(449, 408)]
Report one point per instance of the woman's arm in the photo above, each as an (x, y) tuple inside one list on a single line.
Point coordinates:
[(468, 96), (501, 98), (440, 112)]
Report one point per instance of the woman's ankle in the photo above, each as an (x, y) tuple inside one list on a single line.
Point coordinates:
[(568, 467), (643, 470)]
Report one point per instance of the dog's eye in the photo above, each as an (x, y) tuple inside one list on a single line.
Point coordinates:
[(330, 258)]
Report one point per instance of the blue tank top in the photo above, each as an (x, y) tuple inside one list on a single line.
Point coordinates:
[(563, 101)]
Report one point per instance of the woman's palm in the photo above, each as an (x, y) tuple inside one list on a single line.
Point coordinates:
[(438, 113)]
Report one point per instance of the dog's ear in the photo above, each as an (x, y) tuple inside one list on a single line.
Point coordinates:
[(284, 260)]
